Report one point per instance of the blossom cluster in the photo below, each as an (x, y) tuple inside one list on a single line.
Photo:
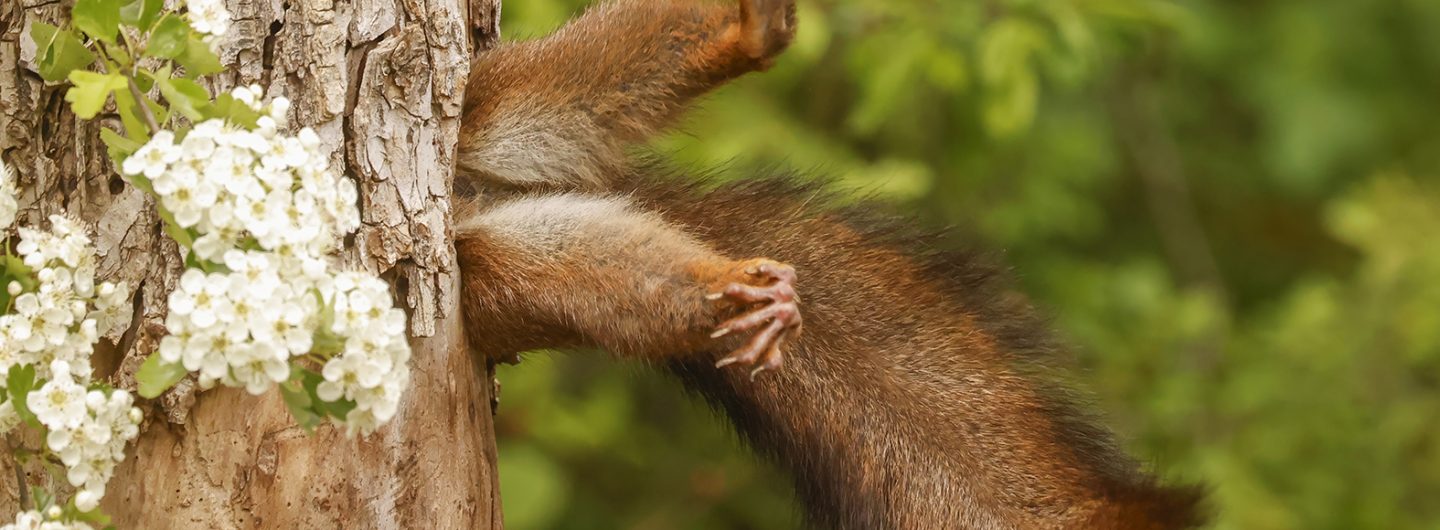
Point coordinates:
[(33, 520), (258, 215), (372, 369), (266, 212), (237, 187), (87, 429), (65, 312), (55, 314)]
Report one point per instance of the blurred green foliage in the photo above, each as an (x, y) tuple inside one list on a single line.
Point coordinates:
[(1228, 207)]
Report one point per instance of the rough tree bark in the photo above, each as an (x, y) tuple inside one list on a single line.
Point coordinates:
[(381, 81)]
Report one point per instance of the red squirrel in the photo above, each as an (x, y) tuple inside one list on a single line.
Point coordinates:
[(902, 393)]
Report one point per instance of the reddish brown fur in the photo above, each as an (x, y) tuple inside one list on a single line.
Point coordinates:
[(916, 397), (913, 399), (576, 271), (614, 76)]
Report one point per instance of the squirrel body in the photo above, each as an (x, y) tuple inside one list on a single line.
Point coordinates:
[(909, 398)]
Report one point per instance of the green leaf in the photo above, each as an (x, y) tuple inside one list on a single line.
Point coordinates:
[(324, 342), (169, 39), (18, 383), (15, 270), (235, 112), (334, 409), (182, 236), (161, 113), (141, 13), (97, 18), (91, 90), (198, 60), (135, 127), (327, 315), (193, 261), (42, 497), (143, 184), (145, 79), (297, 399), (94, 517), (156, 376), (119, 56), (43, 35), (4, 299), (119, 147), (185, 96), (60, 52)]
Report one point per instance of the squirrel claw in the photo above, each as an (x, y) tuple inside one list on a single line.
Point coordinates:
[(777, 319)]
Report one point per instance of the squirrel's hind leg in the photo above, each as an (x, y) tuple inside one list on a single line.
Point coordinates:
[(557, 113)]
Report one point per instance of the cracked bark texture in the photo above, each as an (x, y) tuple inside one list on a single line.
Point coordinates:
[(381, 81)]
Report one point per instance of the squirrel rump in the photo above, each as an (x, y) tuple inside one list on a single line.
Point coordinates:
[(910, 394)]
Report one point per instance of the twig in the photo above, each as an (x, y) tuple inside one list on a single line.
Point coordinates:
[(140, 102), (134, 88)]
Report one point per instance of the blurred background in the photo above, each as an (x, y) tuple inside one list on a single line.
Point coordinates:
[(1230, 210)]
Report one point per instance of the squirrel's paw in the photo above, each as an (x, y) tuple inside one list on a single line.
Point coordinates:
[(767, 27), (773, 309)]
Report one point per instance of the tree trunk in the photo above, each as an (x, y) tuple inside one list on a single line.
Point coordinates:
[(381, 81)]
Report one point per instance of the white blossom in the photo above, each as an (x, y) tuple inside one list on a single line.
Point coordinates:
[(87, 500), (33, 520), (188, 202), (8, 205), (64, 242), (212, 245), (203, 298), (8, 417), (60, 402), (208, 16), (257, 368), (279, 110), (112, 307), (292, 320), (361, 421), (154, 158)]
